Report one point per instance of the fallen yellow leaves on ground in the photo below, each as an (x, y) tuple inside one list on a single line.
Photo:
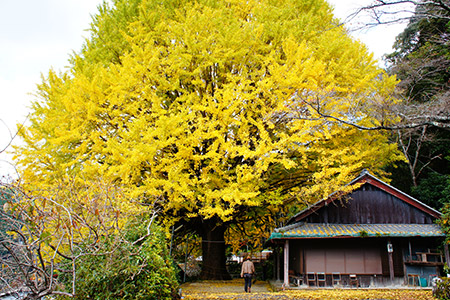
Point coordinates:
[(344, 294), (233, 290), (319, 294)]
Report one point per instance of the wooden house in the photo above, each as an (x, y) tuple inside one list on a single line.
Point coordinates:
[(375, 236)]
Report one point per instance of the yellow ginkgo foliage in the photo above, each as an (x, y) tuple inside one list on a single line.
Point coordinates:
[(210, 111)]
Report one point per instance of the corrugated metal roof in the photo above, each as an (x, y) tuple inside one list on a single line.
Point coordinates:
[(311, 230)]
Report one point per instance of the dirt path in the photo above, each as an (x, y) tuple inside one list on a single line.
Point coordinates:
[(233, 289)]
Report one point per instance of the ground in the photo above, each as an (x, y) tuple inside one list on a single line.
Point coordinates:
[(234, 290)]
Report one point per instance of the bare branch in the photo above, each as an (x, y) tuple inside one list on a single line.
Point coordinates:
[(13, 136), (42, 236), (410, 117), (388, 12)]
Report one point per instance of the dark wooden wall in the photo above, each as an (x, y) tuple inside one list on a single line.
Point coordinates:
[(369, 205), (298, 247)]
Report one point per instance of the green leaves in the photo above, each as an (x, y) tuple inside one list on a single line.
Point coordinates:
[(129, 270)]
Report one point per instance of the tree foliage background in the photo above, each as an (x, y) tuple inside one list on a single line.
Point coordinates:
[(422, 63)]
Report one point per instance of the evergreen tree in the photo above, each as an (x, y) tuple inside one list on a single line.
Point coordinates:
[(422, 63)]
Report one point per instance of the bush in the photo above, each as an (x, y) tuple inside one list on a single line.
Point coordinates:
[(140, 270), (442, 289)]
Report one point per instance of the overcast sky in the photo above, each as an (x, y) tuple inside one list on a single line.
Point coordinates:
[(36, 35)]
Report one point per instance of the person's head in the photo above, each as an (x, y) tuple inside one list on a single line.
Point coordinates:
[(248, 257)]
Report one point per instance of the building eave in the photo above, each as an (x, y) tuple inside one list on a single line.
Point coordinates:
[(320, 230)]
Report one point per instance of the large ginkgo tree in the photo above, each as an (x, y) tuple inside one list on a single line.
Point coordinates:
[(208, 111)]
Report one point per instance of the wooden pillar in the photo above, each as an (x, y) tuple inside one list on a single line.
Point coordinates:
[(391, 260), (405, 268), (410, 249), (277, 263), (447, 255), (286, 263)]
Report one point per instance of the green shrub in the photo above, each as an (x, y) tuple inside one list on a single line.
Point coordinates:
[(140, 270), (442, 289)]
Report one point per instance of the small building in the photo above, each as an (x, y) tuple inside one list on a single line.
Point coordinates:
[(375, 236), (257, 257)]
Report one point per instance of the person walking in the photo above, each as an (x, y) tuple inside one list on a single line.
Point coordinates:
[(247, 271)]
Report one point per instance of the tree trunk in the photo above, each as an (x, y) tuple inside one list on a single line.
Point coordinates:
[(213, 251)]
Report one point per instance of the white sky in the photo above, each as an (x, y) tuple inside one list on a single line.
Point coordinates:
[(36, 35)]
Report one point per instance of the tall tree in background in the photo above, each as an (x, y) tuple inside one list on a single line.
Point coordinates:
[(207, 110), (422, 56), (422, 63), (421, 59)]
